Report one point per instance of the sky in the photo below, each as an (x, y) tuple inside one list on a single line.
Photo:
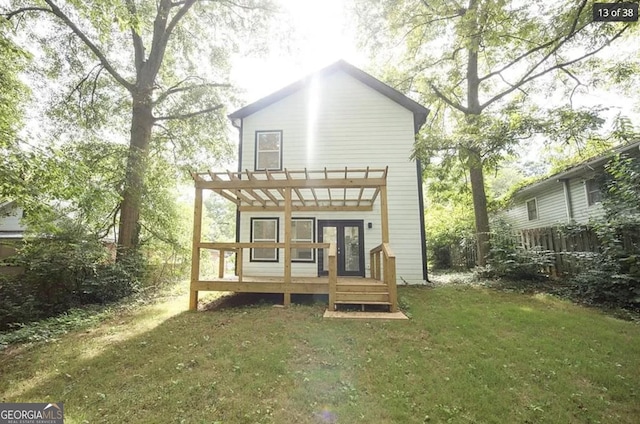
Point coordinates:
[(321, 34)]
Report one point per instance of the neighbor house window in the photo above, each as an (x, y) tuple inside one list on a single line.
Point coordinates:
[(302, 231), (268, 150), (264, 230), (594, 195), (532, 209)]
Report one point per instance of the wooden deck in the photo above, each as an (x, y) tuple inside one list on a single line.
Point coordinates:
[(285, 192)]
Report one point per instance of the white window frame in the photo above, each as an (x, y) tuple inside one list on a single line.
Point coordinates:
[(312, 239), (588, 188), (535, 202), (258, 151), (276, 256)]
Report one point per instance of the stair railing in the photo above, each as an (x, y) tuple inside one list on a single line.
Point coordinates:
[(333, 276), (383, 268)]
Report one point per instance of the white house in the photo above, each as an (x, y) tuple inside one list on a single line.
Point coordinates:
[(569, 197), (340, 143), (11, 227), (11, 231)]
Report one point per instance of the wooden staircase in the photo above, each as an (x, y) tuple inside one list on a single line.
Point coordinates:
[(366, 291), (380, 289)]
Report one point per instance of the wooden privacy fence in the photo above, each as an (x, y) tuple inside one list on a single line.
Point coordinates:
[(572, 246), (569, 247)]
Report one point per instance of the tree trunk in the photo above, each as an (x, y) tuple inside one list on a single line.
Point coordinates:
[(141, 125), (476, 176)]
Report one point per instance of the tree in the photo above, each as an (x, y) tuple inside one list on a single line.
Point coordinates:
[(173, 71), (475, 65), (12, 90)]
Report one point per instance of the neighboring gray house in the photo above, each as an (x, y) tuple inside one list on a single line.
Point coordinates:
[(570, 196), (11, 227), (11, 232)]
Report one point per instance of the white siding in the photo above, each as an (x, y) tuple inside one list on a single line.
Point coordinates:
[(582, 212), (338, 121), (10, 220), (551, 208)]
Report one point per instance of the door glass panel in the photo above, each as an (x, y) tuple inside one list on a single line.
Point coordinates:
[(329, 235), (351, 249)]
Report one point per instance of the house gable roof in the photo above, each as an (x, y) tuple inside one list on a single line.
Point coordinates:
[(579, 169), (419, 112)]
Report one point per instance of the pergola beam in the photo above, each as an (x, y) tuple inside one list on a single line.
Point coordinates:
[(310, 208), (336, 183)]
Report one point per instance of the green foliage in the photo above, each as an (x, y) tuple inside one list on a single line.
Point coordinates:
[(448, 215), (66, 269), (508, 259), (13, 92), (50, 328), (475, 65), (221, 214), (622, 199), (449, 231), (612, 276)]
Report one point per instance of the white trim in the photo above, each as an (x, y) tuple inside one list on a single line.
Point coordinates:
[(526, 205), (275, 257)]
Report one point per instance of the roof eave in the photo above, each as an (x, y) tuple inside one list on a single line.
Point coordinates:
[(419, 112), (579, 169)]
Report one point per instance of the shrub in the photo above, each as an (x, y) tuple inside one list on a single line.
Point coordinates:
[(67, 270), (612, 276), (508, 259)]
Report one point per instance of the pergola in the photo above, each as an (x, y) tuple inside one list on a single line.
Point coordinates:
[(288, 191)]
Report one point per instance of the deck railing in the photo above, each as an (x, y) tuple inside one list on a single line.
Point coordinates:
[(239, 248), (383, 268)]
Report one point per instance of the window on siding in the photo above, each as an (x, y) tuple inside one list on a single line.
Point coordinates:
[(268, 150), (594, 195), (264, 230), (532, 209), (302, 231)]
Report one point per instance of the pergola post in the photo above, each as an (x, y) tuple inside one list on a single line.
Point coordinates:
[(287, 245), (195, 253), (384, 214)]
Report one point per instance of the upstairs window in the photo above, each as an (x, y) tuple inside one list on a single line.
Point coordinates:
[(264, 230), (594, 195), (302, 231), (532, 209), (268, 150)]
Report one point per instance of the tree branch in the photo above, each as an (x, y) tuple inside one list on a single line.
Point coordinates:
[(578, 84), (138, 46), (103, 59), (448, 101), (528, 53), (10, 15), (177, 89), (529, 77), (81, 83), (188, 115), (162, 32)]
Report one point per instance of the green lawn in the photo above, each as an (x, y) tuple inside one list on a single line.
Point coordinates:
[(468, 355)]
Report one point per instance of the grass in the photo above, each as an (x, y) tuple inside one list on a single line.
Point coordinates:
[(468, 355)]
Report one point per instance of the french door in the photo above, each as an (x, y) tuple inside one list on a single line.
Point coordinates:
[(349, 238)]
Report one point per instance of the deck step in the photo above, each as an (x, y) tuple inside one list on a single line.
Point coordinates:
[(366, 288), (349, 302), (362, 297)]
